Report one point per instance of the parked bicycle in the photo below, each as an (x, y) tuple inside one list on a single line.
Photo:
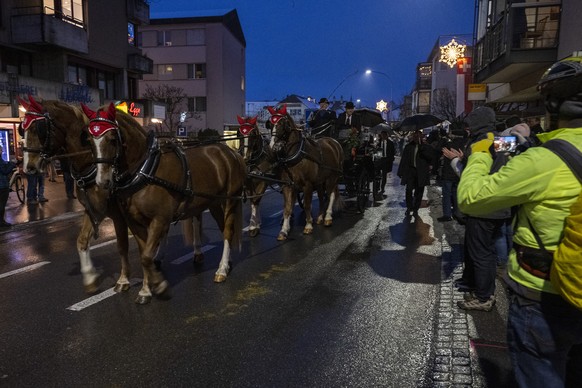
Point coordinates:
[(17, 184)]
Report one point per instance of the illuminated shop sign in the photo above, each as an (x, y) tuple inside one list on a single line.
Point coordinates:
[(134, 109)]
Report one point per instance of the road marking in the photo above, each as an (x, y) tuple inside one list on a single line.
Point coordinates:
[(99, 297), (188, 256), (24, 269)]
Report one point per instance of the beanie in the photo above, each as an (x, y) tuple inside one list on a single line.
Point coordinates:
[(480, 118)]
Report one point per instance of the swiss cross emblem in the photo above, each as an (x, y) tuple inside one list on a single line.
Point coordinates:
[(463, 65)]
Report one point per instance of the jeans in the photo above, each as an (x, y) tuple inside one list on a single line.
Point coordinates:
[(545, 342), (480, 249), (503, 242), (449, 198), (31, 186)]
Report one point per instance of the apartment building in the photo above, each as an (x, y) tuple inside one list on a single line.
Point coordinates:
[(204, 56), (71, 50), (516, 41)]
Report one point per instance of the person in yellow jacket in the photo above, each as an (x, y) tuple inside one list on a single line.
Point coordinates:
[(544, 331)]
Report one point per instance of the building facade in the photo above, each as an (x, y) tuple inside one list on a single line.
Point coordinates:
[(74, 51), (516, 41), (203, 57)]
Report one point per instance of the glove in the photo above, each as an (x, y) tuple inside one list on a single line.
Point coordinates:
[(485, 145)]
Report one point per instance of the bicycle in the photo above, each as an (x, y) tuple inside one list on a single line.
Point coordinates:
[(17, 185)]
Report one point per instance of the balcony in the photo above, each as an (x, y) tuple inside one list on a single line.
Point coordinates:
[(522, 41), (138, 11), (30, 25), (140, 64)]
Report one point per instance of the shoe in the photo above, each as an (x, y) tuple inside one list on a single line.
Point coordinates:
[(32, 202), (42, 200), (444, 219), (476, 304)]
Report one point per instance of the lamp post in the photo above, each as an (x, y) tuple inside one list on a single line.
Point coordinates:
[(342, 81), (369, 72)]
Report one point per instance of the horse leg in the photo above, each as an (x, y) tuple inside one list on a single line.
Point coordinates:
[(255, 222), (321, 197), (331, 189), (289, 198), (196, 223), (225, 224), (91, 278), (307, 199), (153, 279), (120, 226)]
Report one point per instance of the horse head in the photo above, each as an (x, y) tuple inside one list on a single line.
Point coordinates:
[(44, 130), (105, 139), (284, 132), (251, 145)]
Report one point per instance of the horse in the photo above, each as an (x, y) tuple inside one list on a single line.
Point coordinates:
[(54, 129), (310, 165), (157, 184)]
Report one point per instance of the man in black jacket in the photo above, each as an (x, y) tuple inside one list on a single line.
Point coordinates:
[(414, 170), (322, 121)]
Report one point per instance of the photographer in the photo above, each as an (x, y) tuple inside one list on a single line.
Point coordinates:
[(544, 330)]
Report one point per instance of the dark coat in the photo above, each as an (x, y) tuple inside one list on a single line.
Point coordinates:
[(341, 122), (424, 158), (321, 117), (457, 143)]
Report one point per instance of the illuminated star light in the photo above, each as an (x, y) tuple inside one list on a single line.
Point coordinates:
[(451, 52), (382, 106)]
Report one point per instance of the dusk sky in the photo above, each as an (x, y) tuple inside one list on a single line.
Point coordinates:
[(310, 47)]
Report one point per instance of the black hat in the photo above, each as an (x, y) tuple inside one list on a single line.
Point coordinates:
[(323, 100), (349, 105)]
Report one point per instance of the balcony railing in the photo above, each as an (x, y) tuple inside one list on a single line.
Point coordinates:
[(522, 28), (140, 64), (138, 11)]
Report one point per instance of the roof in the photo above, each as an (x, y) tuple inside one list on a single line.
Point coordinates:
[(227, 17)]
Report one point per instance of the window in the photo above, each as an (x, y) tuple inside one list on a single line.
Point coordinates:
[(197, 71), (197, 104), (195, 37), (106, 84), (164, 38), (165, 72), (77, 74), (68, 10), (131, 34)]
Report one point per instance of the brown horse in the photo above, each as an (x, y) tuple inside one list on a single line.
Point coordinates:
[(53, 128), (310, 165), (157, 185), (261, 163)]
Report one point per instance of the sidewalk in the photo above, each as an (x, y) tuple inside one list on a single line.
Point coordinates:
[(58, 205)]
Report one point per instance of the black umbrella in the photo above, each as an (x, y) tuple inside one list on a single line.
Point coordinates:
[(369, 117), (417, 122)]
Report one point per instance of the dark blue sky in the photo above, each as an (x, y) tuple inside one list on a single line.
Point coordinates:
[(309, 47)]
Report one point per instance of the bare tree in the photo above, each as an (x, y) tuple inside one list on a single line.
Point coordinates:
[(174, 98), (444, 104)]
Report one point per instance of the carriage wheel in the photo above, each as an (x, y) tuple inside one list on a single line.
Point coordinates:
[(19, 188), (363, 191)]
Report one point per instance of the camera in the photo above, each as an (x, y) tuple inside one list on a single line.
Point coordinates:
[(505, 144)]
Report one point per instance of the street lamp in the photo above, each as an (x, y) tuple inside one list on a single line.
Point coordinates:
[(369, 72), (342, 81)]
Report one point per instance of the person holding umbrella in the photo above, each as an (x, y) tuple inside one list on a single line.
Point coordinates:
[(414, 170)]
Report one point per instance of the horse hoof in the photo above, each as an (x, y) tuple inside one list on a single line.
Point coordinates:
[(93, 287), (143, 299), (218, 278), (163, 291), (319, 222), (328, 222), (121, 287), (198, 258), (254, 232), (282, 236), (307, 230)]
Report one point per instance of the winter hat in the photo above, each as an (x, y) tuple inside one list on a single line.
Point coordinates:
[(521, 129), (481, 118)]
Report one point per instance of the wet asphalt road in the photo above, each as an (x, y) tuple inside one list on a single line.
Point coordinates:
[(351, 305)]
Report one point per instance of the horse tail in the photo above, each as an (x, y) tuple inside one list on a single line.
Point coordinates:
[(339, 203)]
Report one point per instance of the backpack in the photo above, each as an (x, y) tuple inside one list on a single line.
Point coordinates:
[(566, 268)]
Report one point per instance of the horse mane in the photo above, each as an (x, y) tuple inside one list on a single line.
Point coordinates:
[(127, 121), (59, 110)]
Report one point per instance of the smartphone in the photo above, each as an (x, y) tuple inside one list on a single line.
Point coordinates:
[(505, 143)]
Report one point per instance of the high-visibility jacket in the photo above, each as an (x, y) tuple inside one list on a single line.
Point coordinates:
[(539, 182)]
